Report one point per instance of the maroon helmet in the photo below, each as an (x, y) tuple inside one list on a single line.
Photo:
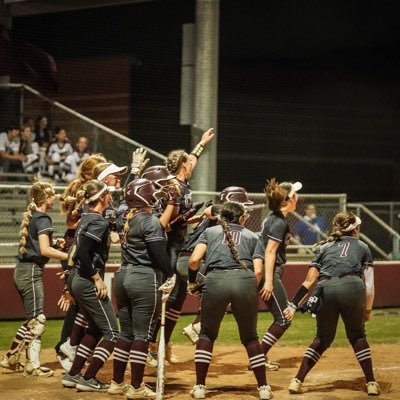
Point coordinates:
[(235, 193), (141, 193), (158, 174)]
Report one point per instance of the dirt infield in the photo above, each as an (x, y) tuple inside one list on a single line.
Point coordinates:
[(337, 376)]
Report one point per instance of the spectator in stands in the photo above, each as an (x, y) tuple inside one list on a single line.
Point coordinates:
[(73, 161), (43, 133), (57, 153), (29, 121), (308, 232), (30, 148), (10, 157)]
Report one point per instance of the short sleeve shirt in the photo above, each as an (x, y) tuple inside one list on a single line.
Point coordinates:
[(143, 228), (8, 146), (346, 255), (39, 224), (219, 254), (276, 227)]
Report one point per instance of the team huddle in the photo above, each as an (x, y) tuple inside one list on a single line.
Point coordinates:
[(220, 261)]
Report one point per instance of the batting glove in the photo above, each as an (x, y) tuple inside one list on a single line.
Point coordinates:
[(139, 161)]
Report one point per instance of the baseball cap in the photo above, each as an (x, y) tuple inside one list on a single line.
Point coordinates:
[(295, 188), (110, 170)]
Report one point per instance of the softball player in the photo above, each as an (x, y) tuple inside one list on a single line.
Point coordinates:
[(182, 165), (233, 255), (74, 324), (36, 247), (89, 291), (147, 262), (343, 267), (281, 199)]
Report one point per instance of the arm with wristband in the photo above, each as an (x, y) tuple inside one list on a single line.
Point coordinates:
[(199, 148)]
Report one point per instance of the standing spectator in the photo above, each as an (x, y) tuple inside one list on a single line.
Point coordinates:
[(57, 153), (10, 157), (281, 199), (308, 232), (233, 257), (343, 267), (42, 131), (73, 161), (36, 248), (30, 148)]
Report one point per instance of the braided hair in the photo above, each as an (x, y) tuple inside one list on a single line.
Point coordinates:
[(128, 217), (88, 190), (340, 227), (38, 195), (232, 212)]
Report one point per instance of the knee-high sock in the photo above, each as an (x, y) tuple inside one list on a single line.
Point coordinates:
[(171, 318), (138, 361), (202, 359), (100, 355), (363, 353), (83, 352), (311, 357), (18, 339), (78, 330), (121, 358), (257, 361), (272, 335)]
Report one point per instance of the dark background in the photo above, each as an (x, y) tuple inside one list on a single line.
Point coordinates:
[(309, 90)]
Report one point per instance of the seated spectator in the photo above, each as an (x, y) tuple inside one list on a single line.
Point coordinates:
[(30, 148), (29, 121), (10, 157), (73, 161), (57, 153), (308, 232), (42, 131)]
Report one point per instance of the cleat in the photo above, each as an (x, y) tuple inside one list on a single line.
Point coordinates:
[(43, 372), (265, 392), (68, 350), (271, 365), (142, 392), (64, 361), (91, 385), (172, 359), (151, 359), (373, 388), (192, 333), (117, 388), (70, 381), (295, 386), (198, 392)]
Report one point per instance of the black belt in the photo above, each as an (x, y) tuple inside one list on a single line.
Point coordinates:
[(324, 277), (223, 269)]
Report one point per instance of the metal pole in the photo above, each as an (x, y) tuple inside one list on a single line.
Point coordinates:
[(206, 91)]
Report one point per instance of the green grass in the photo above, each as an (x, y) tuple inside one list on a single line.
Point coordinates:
[(384, 327)]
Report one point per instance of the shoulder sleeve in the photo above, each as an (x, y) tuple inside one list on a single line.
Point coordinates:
[(203, 237), (259, 250), (44, 225), (315, 262), (152, 230), (96, 229), (277, 230), (367, 259)]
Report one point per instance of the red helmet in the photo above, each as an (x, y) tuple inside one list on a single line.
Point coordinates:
[(235, 193), (141, 193), (158, 174)]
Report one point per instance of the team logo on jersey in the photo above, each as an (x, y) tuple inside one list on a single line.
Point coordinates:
[(236, 235)]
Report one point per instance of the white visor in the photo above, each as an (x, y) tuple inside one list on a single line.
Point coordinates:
[(353, 226), (103, 190), (111, 170), (295, 188)]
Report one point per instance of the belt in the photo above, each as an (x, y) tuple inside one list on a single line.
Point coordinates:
[(223, 269), (324, 277), (185, 253)]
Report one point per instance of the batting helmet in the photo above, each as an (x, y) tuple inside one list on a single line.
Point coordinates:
[(141, 193), (158, 174), (235, 193)]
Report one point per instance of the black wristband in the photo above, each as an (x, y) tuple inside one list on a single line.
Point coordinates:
[(301, 292), (192, 276)]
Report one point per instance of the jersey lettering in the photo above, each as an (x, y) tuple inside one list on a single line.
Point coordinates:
[(235, 237), (345, 246)]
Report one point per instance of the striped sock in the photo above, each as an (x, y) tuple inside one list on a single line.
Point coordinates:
[(19, 337), (83, 352), (311, 357), (78, 330), (257, 361), (171, 318), (138, 356), (100, 355), (273, 334), (202, 359), (121, 359), (363, 354)]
